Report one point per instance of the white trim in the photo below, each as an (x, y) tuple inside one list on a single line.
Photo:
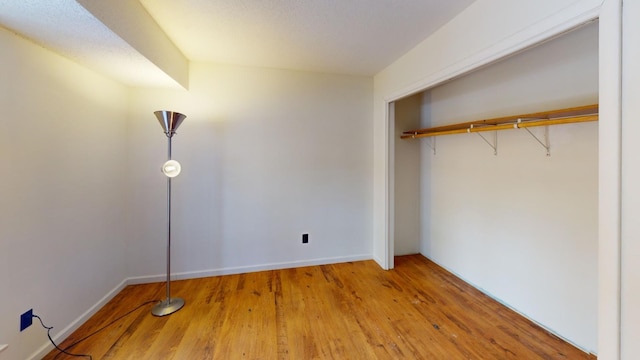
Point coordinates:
[(246, 269), (74, 325), (609, 182), (389, 250), (380, 262)]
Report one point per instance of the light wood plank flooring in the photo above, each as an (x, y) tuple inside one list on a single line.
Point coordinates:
[(342, 311)]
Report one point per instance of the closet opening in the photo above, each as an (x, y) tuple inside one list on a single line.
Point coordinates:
[(515, 219)]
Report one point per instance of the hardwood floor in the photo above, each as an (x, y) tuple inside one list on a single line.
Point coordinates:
[(342, 311)]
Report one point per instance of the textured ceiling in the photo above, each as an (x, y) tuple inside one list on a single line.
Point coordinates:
[(358, 37), (67, 28), (340, 36)]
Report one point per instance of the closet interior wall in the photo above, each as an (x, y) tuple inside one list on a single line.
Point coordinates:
[(518, 225), (408, 180)]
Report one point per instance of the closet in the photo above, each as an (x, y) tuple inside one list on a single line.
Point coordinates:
[(496, 179)]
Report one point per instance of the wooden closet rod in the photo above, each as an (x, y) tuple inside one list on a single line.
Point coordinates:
[(473, 129), (554, 117)]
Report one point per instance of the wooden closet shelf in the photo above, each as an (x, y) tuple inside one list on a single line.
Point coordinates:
[(553, 117)]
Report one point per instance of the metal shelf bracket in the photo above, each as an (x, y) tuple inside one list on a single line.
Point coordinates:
[(544, 142), (493, 144), (431, 143)]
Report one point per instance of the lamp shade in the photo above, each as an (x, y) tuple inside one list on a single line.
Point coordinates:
[(169, 120)]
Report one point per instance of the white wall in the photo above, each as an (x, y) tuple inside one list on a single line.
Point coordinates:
[(62, 147), (267, 156), (519, 225), (407, 184)]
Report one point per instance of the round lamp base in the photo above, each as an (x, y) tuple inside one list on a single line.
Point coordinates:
[(167, 307)]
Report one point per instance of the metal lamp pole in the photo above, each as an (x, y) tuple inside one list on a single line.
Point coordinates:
[(169, 121)]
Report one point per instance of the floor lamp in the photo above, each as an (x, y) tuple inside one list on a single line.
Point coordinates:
[(170, 121)]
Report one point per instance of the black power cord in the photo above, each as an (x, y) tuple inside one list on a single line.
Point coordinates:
[(65, 350), (109, 324), (54, 344)]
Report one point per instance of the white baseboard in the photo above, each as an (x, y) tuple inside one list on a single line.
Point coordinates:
[(59, 337), (379, 261), (246, 269)]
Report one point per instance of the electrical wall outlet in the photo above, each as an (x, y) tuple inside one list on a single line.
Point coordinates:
[(26, 319), (305, 238)]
